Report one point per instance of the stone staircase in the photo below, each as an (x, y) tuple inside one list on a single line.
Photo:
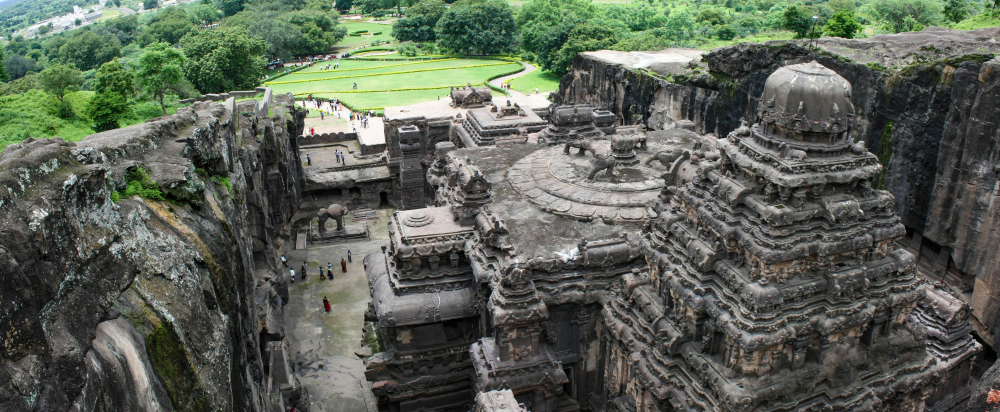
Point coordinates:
[(565, 404)]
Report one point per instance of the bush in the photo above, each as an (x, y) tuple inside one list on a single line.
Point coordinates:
[(138, 183), (64, 110)]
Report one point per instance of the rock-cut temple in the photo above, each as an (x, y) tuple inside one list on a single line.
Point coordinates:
[(754, 272)]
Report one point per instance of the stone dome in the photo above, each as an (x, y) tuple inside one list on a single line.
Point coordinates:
[(807, 97)]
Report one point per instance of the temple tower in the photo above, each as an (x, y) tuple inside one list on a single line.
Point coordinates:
[(775, 283)]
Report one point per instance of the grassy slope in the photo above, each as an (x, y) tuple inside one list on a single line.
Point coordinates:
[(34, 111), (440, 78), (350, 42), (980, 21), (543, 80)]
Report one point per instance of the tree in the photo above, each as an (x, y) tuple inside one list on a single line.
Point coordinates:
[(3, 70), (369, 6), (204, 14), (167, 26), (60, 79), (231, 7), (87, 50), (590, 36), (44, 29), (344, 4), (149, 4), (957, 10), (421, 18), (115, 78), (107, 110), (225, 59), (161, 70), (680, 25), (898, 16), (17, 66), (479, 28), (798, 20), (842, 24), (77, 22)]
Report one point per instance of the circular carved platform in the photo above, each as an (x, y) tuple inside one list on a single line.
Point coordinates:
[(557, 183)]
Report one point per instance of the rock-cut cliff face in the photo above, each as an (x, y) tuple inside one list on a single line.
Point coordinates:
[(927, 104), (113, 302)]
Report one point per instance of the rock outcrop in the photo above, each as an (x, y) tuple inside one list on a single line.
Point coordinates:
[(927, 105), (132, 303)]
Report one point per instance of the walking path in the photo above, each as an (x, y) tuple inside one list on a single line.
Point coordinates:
[(372, 135), (528, 68)]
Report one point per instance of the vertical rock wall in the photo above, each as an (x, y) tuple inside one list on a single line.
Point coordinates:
[(145, 304), (931, 118)]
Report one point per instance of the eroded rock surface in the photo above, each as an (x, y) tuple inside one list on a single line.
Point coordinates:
[(145, 304)]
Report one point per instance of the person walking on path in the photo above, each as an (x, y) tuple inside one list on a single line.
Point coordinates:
[(536, 90), (348, 256), (291, 271), (326, 304), (329, 273), (355, 85), (343, 265), (304, 273), (321, 116), (283, 261), (309, 161)]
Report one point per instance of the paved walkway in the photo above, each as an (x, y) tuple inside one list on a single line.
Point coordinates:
[(336, 121), (528, 68), (322, 344)]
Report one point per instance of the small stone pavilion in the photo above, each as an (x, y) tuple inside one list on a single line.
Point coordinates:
[(756, 272)]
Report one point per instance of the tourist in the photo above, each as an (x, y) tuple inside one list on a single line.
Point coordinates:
[(343, 265), (309, 161), (536, 90), (291, 271), (321, 115), (283, 261), (355, 85), (312, 131), (336, 65), (326, 304), (348, 255), (329, 273), (304, 273)]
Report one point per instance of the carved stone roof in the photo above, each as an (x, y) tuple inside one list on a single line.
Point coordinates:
[(807, 97)]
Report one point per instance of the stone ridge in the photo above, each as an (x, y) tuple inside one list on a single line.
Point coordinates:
[(81, 270)]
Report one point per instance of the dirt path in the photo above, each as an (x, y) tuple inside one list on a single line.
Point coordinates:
[(528, 68)]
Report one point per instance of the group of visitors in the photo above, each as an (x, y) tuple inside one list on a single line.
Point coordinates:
[(322, 276), (336, 65), (362, 118), (340, 159), (504, 86)]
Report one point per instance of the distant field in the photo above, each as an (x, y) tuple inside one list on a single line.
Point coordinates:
[(383, 90), (543, 80), (350, 42)]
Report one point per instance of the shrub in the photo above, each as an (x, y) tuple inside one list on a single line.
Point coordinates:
[(138, 183)]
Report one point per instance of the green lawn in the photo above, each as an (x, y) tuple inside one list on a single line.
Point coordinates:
[(543, 80), (979, 21), (440, 79), (350, 42)]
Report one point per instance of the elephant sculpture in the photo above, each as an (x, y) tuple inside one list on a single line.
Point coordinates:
[(665, 157), (581, 144), (336, 212), (605, 161)]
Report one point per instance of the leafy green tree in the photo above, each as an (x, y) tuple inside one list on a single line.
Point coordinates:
[(44, 29), (113, 77), (842, 24), (3, 70), (231, 7), (477, 28), (59, 79), (149, 4), (421, 18), (161, 69), (545, 25), (204, 14), (957, 10), (77, 22), (726, 32), (224, 59), (344, 4), (369, 6), (87, 50), (281, 36), (590, 36), (168, 26), (680, 25), (107, 110), (713, 16), (898, 16), (798, 20), (17, 66)]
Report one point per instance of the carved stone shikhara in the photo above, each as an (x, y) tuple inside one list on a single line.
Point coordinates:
[(756, 272)]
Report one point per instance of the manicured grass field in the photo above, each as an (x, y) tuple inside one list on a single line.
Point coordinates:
[(444, 74), (543, 80), (350, 42)]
